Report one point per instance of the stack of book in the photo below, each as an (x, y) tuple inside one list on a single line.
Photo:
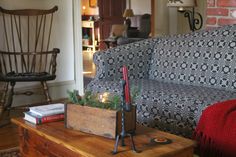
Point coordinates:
[(45, 113)]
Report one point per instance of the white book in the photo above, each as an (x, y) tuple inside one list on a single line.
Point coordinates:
[(46, 110), (36, 119)]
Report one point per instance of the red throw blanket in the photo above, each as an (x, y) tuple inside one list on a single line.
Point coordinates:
[(216, 130)]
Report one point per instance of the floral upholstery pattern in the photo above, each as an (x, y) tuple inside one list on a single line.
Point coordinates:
[(179, 76)]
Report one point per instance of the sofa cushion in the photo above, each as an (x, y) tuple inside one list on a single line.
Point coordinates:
[(171, 107), (205, 58), (174, 107)]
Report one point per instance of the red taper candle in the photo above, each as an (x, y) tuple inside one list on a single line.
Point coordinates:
[(125, 77)]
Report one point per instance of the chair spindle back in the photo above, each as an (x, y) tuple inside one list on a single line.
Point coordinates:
[(26, 43)]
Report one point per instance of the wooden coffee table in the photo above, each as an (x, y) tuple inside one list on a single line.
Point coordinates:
[(52, 139)]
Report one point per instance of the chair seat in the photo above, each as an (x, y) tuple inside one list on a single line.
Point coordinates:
[(25, 77)]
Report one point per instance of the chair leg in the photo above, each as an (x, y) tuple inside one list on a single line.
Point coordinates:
[(10, 98), (3, 98), (5, 118), (46, 93)]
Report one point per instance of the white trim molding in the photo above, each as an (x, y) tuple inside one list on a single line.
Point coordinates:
[(79, 81), (57, 91)]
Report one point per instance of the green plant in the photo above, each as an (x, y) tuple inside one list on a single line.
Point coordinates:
[(89, 99), (73, 96), (100, 100), (134, 92)]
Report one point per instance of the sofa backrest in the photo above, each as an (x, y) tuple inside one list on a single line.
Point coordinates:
[(206, 58), (136, 56)]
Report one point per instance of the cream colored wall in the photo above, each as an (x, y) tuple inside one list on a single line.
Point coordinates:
[(182, 22), (173, 21), (169, 21), (63, 38), (161, 18)]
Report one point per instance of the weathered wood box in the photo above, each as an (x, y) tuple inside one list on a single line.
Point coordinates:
[(98, 121)]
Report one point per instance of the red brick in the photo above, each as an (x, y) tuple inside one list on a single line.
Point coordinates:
[(211, 21), (210, 3), (218, 11), (223, 21), (226, 3)]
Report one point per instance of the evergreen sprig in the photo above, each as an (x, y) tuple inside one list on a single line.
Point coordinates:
[(73, 96), (92, 100), (113, 102)]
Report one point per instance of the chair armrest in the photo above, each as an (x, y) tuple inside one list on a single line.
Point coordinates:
[(136, 56)]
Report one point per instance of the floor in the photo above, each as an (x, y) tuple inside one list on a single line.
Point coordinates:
[(8, 134), (88, 65)]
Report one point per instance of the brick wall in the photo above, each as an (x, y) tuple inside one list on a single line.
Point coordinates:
[(220, 12)]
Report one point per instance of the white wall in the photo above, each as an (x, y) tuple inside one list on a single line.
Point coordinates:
[(62, 38), (140, 6)]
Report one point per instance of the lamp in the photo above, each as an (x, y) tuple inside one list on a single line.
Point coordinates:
[(195, 23), (84, 8), (127, 14)]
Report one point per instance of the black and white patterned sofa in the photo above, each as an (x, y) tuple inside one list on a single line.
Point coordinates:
[(179, 76)]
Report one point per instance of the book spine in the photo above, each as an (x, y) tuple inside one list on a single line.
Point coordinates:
[(51, 118)]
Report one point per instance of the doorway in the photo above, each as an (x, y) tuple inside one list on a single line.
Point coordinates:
[(97, 18), (90, 37), (101, 15)]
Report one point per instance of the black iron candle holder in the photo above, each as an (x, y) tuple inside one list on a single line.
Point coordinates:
[(124, 108)]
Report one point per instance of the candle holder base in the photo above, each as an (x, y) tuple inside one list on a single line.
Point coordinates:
[(118, 137), (124, 108)]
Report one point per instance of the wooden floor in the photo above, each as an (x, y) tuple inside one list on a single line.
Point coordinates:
[(88, 65), (9, 135)]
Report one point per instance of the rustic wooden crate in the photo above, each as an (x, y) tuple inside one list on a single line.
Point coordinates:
[(98, 121)]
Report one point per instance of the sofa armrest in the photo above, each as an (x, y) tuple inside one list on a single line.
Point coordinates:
[(136, 56)]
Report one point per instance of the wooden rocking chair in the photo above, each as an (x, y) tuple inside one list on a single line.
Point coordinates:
[(24, 50)]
